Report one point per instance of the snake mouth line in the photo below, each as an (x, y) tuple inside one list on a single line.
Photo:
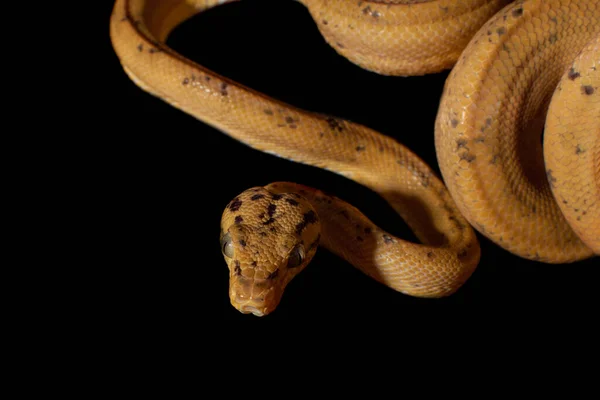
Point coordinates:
[(253, 310)]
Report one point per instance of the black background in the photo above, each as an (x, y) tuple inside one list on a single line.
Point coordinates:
[(168, 177)]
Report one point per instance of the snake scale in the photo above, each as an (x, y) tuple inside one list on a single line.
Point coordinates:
[(519, 70)]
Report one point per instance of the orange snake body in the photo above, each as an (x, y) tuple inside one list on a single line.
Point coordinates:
[(487, 134)]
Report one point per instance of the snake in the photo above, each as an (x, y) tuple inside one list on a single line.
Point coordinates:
[(517, 139)]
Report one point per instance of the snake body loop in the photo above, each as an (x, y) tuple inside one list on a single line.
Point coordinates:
[(500, 88), (492, 115)]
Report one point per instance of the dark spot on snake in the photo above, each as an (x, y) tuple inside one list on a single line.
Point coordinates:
[(553, 38), (257, 196), (462, 253), (501, 31), (587, 89), (321, 134), (366, 10), (494, 159), (360, 239), (224, 89), (579, 218), (185, 81), (242, 242), (584, 213), (444, 9), (239, 219), (268, 112), (341, 46), (489, 32), (309, 218), (388, 239), (551, 179), (576, 209), (459, 224), (123, 19), (289, 120), (154, 50), (273, 274), (273, 229), (237, 269), (264, 234), (573, 74), (235, 204), (261, 215), (381, 149), (277, 196), (207, 78), (140, 47), (334, 124), (325, 22), (579, 150), (401, 162), (368, 230), (565, 202), (553, 19), (517, 12), (488, 121), (430, 254), (254, 263), (269, 221), (479, 139), (467, 157), (344, 213), (454, 123), (293, 126), (360, 148), (292, 201), (533, 209), (271, 210), (461, 143)]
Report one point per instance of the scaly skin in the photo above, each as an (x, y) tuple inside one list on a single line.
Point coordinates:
[(368, 33), (572, 145), (491, 117)]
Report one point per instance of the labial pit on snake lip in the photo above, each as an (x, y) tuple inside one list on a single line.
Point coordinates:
[(516, 58)]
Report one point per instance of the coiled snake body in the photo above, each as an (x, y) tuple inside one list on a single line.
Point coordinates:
[(515, 62)]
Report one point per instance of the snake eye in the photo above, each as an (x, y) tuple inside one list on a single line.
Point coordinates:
[(296, 256), (227, 245)]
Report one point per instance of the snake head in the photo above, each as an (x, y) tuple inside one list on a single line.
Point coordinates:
[(267, 238)]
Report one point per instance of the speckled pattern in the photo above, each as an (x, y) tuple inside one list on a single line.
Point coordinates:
[(490, 121), (572, 145), (401, 37), (467, 135), (266, 228)]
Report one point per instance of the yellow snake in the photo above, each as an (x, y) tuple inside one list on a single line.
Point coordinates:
[(515, 62)]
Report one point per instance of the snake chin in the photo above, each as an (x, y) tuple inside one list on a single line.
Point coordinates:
[(253, 310)]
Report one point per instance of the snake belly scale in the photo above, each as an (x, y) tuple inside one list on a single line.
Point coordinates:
[(270, 234)]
